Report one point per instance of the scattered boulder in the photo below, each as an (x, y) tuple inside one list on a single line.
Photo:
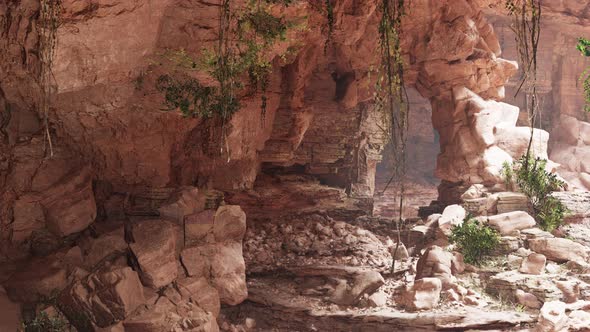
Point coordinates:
[(377, 299), (69, 205), (552, 317), (527, 299), (435, 262), (533, 264), (198, 228), (570, 290), (223, 265), (155, 251), (349, 293), (230, 223), (559, 250), (201, 293), (510, 222), (106, 245), (424, 294), (103, 297)]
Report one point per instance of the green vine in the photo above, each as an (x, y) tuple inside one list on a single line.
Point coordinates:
[(390, 95), (47, 24), (584, 48), (244, 38), (526, 25)]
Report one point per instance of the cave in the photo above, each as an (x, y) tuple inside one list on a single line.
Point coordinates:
[(188, 165)]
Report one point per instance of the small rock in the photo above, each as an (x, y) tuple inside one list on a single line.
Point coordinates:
[(424, 294), (250, 323), (570, 290), (377, 299), (533, 264)]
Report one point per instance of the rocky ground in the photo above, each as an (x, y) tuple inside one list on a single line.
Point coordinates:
[(302, 277)]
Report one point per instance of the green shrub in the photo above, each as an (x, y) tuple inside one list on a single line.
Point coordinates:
[(474, 240), (44, 323), (537, 184)]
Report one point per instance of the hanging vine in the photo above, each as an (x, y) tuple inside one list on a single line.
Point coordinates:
[(526, 15), (391, 98), (584, 48), (47, 24), (245, 35)]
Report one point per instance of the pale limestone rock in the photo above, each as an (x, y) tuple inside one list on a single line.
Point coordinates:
[(453, 215), (377, 299)]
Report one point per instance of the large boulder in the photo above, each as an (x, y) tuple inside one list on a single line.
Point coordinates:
[(106, 245), (363, 283), (69, 205), (436, 263), (102, 298), (155, 251), (222, 264), (559, 250), (200, 292), (230, 223), (510, 222)]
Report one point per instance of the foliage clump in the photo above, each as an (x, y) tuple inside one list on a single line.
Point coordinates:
[(474, 240), (45, 323), (537, 184), (584, 48), (245, 36)]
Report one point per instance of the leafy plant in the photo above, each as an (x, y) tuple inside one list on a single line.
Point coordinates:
[(584, 47), (537, 184), (474, 240), (243, 40), (44, 323), (508, 174)]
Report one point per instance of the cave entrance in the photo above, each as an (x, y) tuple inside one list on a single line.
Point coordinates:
[(423, 148)]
